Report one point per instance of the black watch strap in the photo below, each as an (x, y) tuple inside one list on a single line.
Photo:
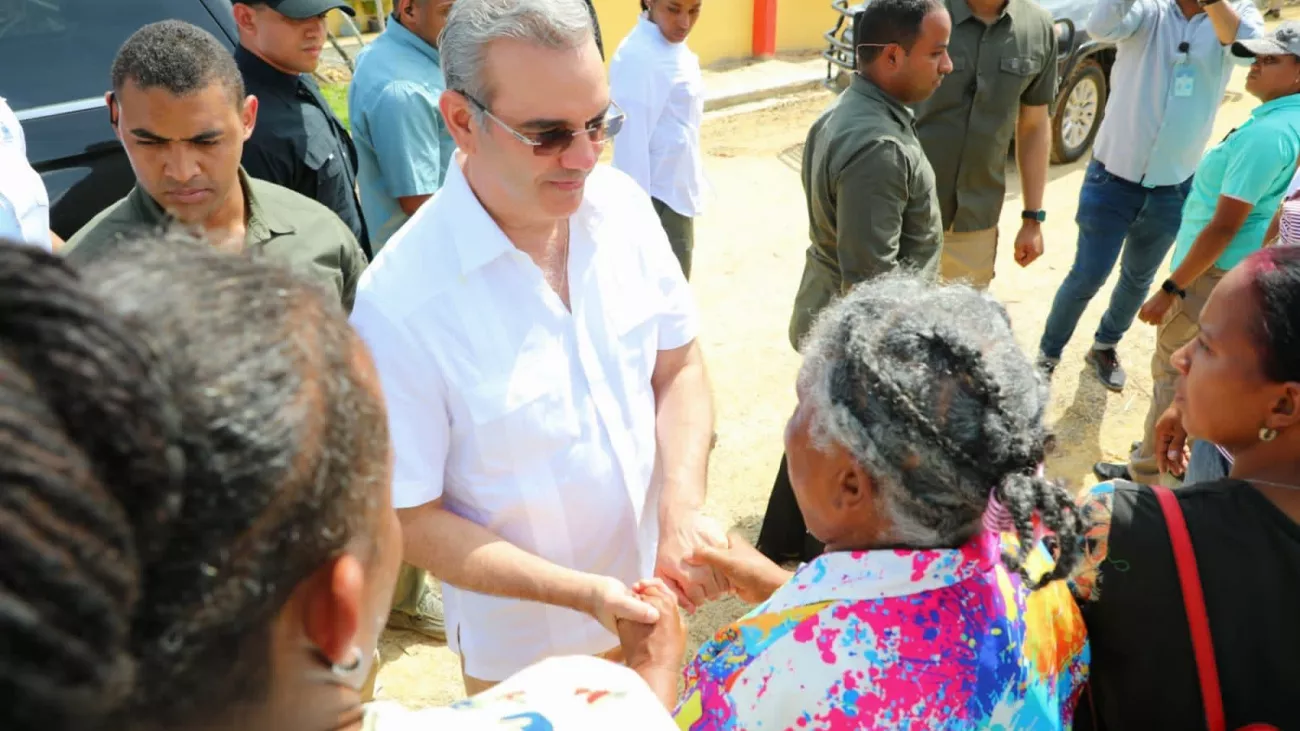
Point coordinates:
[(1039, 215), (1172, 288)]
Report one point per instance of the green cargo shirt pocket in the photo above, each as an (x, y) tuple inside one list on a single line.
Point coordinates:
[(1016, 74)]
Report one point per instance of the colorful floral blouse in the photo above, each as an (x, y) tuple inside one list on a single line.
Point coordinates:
[(945, 639), (560, 694)]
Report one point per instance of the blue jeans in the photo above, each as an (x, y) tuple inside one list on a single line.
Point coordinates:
[(1114, 215), (1206, 464)]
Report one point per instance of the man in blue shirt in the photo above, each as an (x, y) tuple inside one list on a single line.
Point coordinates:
[(1171, 68), (403, 150), (1237, 188), (403, 146)]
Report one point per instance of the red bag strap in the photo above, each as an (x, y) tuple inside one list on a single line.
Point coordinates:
[(1189, 578)]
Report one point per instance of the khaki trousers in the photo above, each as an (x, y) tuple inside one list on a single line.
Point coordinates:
[(681, 233), (969, 257), (1179, 328), (474, 686)]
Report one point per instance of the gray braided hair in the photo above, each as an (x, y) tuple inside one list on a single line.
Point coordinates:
[(927, 388)]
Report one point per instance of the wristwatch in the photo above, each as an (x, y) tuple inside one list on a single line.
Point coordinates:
[(1171, 288), (1039, 215), (1207, 3)]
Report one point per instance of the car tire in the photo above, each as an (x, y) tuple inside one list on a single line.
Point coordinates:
[(1079, 109)]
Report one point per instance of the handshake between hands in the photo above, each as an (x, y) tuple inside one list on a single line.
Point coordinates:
[(697, 563)]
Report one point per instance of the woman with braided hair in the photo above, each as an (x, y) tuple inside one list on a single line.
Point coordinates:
[(915, 445), (88, 473)]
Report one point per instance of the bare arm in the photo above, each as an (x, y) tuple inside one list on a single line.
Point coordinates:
[(1033, 153), (1225, 20), (1274, 226), (411, 203), (683, 427), (471, 557), (1229, 216)]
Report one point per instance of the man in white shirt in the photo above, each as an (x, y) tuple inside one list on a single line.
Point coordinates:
[(24, 204), (536, 340)]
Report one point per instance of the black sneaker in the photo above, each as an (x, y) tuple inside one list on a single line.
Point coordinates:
[(1107, 471), (1047, 365), (1109, 371), (1272, 15)]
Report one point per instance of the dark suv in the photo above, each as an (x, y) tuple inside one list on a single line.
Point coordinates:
[(55, 56), (1083, 67)]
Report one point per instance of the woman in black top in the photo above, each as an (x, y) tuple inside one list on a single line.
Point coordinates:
[(1240, 388)]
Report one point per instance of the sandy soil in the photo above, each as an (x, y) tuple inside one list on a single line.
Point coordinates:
[(749, 255)]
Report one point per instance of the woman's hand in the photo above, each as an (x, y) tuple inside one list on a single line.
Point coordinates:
[(654, 651), (750, 575), (1171, 442)]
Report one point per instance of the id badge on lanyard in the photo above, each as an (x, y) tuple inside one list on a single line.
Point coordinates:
[(1184, 76)]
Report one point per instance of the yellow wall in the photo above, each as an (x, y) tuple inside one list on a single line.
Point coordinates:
[(725, 29), (801, 23)]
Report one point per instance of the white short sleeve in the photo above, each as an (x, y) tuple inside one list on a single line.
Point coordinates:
[(414, 392), (679, 319)]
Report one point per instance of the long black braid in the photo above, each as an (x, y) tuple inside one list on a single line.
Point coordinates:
[(929, 390), (88, 476)]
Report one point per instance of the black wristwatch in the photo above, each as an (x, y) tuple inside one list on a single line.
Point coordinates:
[(1172, 288), (1039, 215)]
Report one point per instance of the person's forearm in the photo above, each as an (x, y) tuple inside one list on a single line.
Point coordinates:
[(1033, 154), (471, 557), (1274, 227), (1110, 20), (1208, 247), (684, 432), (662, 681), (1223, 17)]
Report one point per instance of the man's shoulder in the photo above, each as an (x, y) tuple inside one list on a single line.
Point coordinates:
[(96, 237), (386, 65), (294, 207), (1029, 15)]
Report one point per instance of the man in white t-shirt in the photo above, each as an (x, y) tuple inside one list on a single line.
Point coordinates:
[(548, 403), (24, 205)]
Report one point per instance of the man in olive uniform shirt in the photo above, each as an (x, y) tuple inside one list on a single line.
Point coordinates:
[(299, 143), (1002, 82), (870, 191), (179, 108), (871, 198)]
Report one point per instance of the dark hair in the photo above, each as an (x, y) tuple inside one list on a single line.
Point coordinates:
[(285, 449), (929, 391), (178, 57), (1275, 280), (883, 22), (89, 480)]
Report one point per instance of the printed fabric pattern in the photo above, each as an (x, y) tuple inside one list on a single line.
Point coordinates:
[(940, 639)]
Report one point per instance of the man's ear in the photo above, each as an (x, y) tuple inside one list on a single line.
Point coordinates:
[(244, 17), (332, 599), (110, 101), (459, 116), (248, 115)]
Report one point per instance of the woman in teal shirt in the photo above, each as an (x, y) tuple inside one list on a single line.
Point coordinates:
[(1237, 187)]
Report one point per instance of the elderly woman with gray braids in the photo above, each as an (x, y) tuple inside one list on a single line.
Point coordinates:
[(914, 448)]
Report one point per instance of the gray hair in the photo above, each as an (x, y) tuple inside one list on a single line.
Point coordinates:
[(926, 387), (474, 24)]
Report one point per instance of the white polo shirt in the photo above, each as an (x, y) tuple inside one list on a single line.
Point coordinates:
[(660, 87), (532, 421), (24, 205)]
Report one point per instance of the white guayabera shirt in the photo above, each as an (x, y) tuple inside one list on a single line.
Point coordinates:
[(659, 86), (533, 421), (24, 205)]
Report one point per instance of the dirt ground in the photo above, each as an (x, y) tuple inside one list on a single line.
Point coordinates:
[(749, 254)]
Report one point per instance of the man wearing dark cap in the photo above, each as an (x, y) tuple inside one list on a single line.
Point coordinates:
[(298, 142)]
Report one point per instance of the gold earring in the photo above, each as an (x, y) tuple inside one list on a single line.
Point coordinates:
[(1267, 435)]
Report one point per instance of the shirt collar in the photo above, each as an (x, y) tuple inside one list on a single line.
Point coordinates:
[(961, 11), (400, 34), (261, 226), (259, 72), (647, 27), (1282, 103), (478, 238), (864, 86), (882, 574)]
